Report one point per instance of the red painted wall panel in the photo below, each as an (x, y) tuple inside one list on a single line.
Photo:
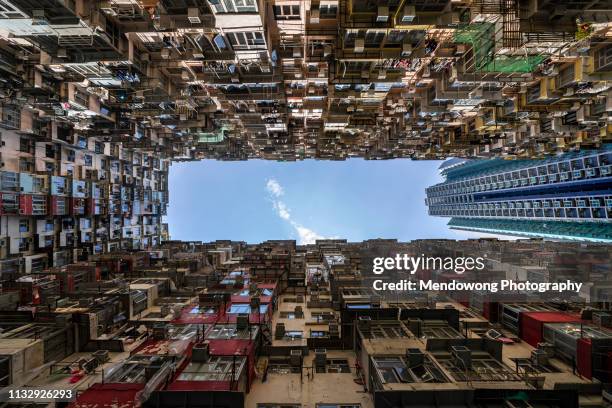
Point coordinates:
[(532, 324), (584, 355)]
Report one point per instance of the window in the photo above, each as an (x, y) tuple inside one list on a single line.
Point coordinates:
[(24, 226), (603, 58), (357, 66), (349, 39), (24, 145), (244, 308), (234, 6), (70, 156), (566, 76), (82, 142), (336, 365), (287, 12), (24, 244), (321, 317), (395, 37), (88, 160), (99, 148), (26, 165), (50, 151), (246, 40), (328, 11), (326, 405), (373, 39), (293, 334)]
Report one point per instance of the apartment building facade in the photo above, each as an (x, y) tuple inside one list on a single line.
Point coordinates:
[(289, 80), (66, 196), (562, 197)]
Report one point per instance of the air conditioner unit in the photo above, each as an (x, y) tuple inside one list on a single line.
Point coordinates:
[(409, 14), (106, 8), (359, 44), (193, 15), (365, 74), (406, 49), (295, 358), (463, 356), (327, 50), (476, 93), (383, 14), (454, 18), (415, 357), (314, 16), (39, 17), (382, 73), (320, 357)]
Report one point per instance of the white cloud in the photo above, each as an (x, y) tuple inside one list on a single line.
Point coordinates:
[(282, 210), (305, 234), (274, 188)]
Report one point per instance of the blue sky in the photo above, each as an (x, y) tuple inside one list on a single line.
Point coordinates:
[(257, 200)]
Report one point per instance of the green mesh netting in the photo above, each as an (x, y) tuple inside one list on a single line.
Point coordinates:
[(211, 137), (481, 37)]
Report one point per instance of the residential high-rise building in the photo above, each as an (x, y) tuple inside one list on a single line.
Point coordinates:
[(562, 197)]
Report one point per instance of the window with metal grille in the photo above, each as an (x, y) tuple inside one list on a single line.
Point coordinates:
[(234, 6), (603, 59), (328, 11), (287, 12), (246, 40), (566, 76), (373, 39)]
